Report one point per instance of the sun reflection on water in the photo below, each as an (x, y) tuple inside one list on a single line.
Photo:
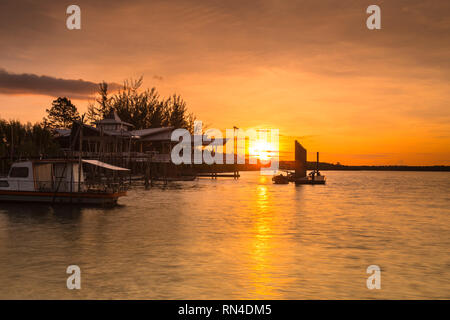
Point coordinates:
[(261, 245)]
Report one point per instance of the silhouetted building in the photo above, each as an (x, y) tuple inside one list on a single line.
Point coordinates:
[(114, 140)]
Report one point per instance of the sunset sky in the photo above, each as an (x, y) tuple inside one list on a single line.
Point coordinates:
[(312, 69)]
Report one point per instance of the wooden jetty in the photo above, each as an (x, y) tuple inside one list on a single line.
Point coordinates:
[(215, 175)]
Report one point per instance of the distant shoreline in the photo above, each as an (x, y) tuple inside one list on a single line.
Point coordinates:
[(289, 165), (389, 168), (328, 166)]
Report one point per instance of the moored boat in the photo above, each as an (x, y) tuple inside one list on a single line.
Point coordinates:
[(314, 177), (63, 181), (280, 179)]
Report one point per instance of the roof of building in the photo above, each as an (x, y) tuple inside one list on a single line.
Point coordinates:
[(105, 165), (151, 131), (99, 131), (149, 135), (62, 132), (113, 118)]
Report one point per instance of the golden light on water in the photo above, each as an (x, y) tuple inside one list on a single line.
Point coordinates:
[(261, 245)]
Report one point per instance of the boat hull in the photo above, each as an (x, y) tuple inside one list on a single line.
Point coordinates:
[(280, 179), (309, 181), (82, 198)]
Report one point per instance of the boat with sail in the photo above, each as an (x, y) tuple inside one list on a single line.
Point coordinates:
[(314, 177)]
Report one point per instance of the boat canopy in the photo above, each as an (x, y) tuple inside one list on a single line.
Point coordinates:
[(105, 165)]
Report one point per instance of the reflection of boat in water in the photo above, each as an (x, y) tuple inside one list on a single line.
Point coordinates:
[(63, 181)]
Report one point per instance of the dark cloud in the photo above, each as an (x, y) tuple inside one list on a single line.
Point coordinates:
[(26, 83)]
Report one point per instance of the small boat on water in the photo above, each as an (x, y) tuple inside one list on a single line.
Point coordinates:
[(280, 179), (63, 181), (313, 178)]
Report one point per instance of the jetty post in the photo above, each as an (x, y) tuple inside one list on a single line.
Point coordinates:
[(12, 144), (235, 165), (317, 163), (80, 153)]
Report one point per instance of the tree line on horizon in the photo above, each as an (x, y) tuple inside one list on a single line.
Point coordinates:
[(142, 108)]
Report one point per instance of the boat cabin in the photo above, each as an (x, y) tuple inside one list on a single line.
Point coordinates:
[(44, 175), (63, 181)]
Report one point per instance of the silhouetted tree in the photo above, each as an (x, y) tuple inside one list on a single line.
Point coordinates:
[(142, 108), (158, 117), (98, 111), (61, 114), (178, 115), (22, 141)]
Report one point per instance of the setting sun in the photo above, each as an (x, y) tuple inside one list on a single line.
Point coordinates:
[(263, 150)]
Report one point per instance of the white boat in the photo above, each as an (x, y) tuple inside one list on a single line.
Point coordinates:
[(61, 181)]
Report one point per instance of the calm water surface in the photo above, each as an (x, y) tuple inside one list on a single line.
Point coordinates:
[(227, 239)]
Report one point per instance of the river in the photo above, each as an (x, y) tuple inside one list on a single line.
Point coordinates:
[(238, 239)]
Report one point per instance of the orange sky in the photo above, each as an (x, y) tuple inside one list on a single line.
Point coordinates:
[(309, 68)]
